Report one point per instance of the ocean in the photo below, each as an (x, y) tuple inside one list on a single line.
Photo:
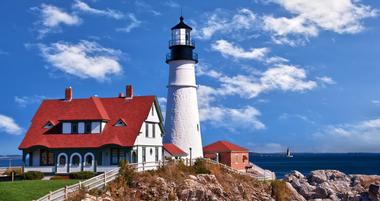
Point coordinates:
[(349, 163)]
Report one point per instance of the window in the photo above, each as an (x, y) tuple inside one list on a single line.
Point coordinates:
[(62, 160), (117, 155), (87, 127), (197, 127), (48, 125), (95, 127), (75, 160), (156, 152), (47, 158), (153, 110), (146, 129), (66, 127), (81, 127), (151, 151), (74, 127), (88, 160), (114, 156), (154, 130), (120, 123), (144, 154)]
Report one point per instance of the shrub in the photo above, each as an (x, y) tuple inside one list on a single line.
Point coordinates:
[(33, 175), (199, 167), (127, 172), (279, 190), (59, 177), (17, 171), (82, 175)]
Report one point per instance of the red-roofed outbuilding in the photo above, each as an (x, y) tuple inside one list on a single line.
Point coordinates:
[(227, 153), (69, 135), (172, 151)]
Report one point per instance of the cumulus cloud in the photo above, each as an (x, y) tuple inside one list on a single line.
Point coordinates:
[(83, 7), (229, 49), (23, 101), (310, 17), (362, 136), (8, 125), (134, 23), (222, 22), (280, 77), (324, 80), (51, 17), (85, 59)]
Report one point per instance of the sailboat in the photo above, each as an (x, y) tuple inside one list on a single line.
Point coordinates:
[(288, 154)]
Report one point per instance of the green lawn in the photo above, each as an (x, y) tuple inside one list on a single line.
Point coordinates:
[(30, 189)]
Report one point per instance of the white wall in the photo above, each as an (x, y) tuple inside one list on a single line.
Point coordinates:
[(150, 142)]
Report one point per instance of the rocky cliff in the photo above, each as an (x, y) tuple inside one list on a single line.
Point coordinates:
[(332, 185)]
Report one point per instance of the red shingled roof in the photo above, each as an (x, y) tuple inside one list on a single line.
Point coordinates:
[(174, 150), (223, 146), (133, 111)]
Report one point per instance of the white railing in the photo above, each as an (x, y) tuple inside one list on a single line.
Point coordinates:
[(44, 169), (268, 176), (96, 182)]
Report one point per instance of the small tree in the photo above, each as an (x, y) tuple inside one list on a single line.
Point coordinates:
[(127, 172)]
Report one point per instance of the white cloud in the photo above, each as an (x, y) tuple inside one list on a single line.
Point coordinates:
[(8, 125), (51, 17), (267, 148), (229, 49), (221, 22), (85, 59), (280, 77), (276, 60), (286, 116), (310, 17), (375, 102), (133, 24), (362, 136), (24, 101), (324, 80), (172, 4), (145, 7), (81, 6)]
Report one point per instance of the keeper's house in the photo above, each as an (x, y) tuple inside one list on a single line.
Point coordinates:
[(94, 134)]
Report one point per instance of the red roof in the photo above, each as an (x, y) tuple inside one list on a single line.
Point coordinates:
[(174, 150), (133, 111), (223, 146)]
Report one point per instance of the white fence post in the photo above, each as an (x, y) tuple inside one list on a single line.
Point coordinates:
[(105, 179), (49, 195), (65, 192)]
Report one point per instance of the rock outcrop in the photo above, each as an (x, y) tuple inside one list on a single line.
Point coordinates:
[(333, 185)]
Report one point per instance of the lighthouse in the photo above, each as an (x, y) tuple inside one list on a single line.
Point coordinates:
[(182, 124)]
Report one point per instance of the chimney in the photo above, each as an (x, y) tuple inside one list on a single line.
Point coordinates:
[(68, 94), (121, 95), (129, 91)]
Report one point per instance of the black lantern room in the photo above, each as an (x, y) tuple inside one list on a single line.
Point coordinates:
[(181, 45)]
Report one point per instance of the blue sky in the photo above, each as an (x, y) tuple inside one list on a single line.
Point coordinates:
[(272, 73)]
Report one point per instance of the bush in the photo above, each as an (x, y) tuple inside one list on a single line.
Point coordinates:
[(279, 190), (60, 177), (82, 175), (127, 172), (33, 175), (199, 167)]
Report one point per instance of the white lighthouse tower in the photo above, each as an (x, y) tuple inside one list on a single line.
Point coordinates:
[(182, 117)]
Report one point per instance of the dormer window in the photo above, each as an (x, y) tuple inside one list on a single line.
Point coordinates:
[(49, 125), (120, 122)]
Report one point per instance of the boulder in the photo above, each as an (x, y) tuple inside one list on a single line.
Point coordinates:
[(374, 192)]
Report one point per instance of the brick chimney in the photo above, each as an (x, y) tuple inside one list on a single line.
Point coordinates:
[(129, 91), (121, 95), (68, 94)]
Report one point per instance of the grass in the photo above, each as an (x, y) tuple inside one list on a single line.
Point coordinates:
[(30, 189)]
